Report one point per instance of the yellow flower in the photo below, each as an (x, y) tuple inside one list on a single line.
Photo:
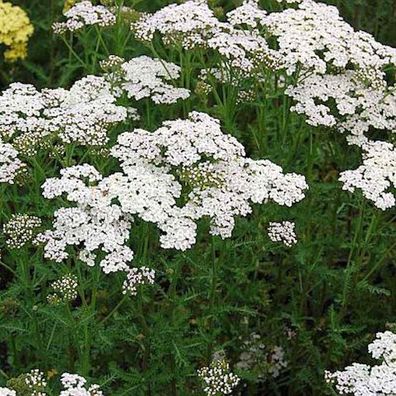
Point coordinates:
[(15, 30), (68, 4)]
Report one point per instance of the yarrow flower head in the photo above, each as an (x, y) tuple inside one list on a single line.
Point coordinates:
[(189, 24), (193, 24), (282, 232), (194, 158), (84, 14), (324, 41), (375, 176), (21, 229), (277, 361), (363, 102), (10, 165), (136, 277), (262, 360), (15, 31), (75, 385), (190, 159), (364, 380), (82, 115), (7, 392), (65, 290), (218, 379), (145, 77), (96, 224), (30, 384)]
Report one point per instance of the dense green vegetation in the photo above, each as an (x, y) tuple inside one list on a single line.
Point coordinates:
[(321, 300)]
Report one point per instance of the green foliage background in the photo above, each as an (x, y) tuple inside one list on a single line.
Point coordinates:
[(334, 289)]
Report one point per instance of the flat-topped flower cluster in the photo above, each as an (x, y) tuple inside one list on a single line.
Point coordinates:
[(82, 115), (83, 14), (51, 119), (339, 74), (218, 378), (364, 380), (144, 77), (172, 177), (15, 31), (35, 384)]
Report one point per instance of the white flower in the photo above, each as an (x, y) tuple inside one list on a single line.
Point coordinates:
[(277, 361), (35, 380), (384, 347), (7, 392), (362, 102), (190, 159), (81, 115), (195, 155), (218, 379), (314, 36), (82, 14), (137, 276), (95, 224), (249, 14), (261, 359), (282, 232), (65, 289), (363, 380), (189, 23), (20, 229), (75, 385), (375, 176), (10, 164), (145, 77)]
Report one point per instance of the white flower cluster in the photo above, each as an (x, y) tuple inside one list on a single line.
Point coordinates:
[(289, 1), (257, 357), (136, 277), (10, 165), (190, 23), (277, 361), (282, 232), (75, 385), (384, 347), (193, 24), (337, 63), (81, 115), (195, 157), (254, 353), (218, 379), (36, 382), (145, 77), (96, 224), (316, 38), (83, 14), (65, 289), (20, 229), (375, 176), (342, 83), (363, 380), (347, 101), (249, 14), (192, 158), (7, 392)]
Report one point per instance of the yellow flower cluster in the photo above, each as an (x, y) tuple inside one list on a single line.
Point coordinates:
[(15, 30), (68, 4)]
